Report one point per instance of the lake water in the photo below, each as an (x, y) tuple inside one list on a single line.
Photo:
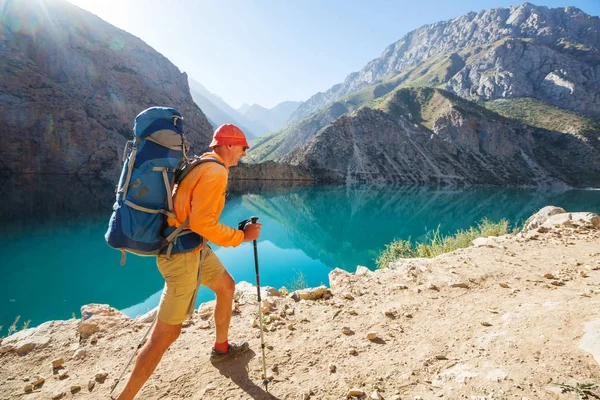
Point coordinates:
[(55, 259)]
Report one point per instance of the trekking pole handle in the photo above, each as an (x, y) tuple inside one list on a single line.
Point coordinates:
[(253, 219)]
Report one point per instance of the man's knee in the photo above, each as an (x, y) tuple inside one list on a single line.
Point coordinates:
[(224, 286), (164, 334)]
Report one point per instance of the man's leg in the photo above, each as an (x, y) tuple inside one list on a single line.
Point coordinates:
[(224, 288), (163, 335)]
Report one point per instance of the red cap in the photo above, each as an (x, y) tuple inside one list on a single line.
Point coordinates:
[(229, 134)]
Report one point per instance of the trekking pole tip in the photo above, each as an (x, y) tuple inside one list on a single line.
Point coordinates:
[(254, 219)]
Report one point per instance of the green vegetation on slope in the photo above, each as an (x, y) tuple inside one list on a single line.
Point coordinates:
[(439, 244), (541, 115)]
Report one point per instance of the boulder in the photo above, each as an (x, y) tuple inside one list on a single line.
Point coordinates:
[(538, 219), (99, 318)]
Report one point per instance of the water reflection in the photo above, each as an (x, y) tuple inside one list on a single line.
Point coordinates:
[(342, 226)]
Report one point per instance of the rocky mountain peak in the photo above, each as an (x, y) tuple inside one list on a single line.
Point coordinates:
[(555, 28)]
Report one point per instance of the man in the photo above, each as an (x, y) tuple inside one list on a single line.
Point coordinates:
[(201, 197)]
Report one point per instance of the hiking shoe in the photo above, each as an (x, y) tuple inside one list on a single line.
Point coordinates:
[(233, 350)]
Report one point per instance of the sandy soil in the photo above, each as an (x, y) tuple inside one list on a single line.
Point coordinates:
[(511, 318)]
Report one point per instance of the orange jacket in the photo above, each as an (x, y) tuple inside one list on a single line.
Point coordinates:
[(201, 196)]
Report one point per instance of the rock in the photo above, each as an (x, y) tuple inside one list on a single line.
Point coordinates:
[(338, 278), (203, 325), (266, 306), (360, 270), (372, 336), (75, 388), (283, 291), (148, 317), (485, 323), (310, 293), (206, 309), (91, 384), (538, 219), (99, 318), (396, 397), (348, 296), (23, 342), (80, 353), (355, 392), (6, 348), (332, 368), (489, 241), (375, 396), (271, 291), (254, 323), (504, 285), (28, 388), (58, 395), (100, 376), (352, 351), (557, 283), (549, 276), (400, 286), (390, 314), (347, 331), (431, 286), (38, 380), (63, 374), (188, 322), (57, 363), (460, 285), (94, 339)]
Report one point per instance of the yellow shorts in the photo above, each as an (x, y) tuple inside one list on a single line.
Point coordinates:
[(181, 281)]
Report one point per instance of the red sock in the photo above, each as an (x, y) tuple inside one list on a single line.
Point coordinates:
[(222, 347)]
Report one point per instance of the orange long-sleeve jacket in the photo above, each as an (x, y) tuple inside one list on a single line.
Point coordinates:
[(201, 197)]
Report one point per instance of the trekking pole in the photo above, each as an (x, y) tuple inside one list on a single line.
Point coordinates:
[(260, 315)]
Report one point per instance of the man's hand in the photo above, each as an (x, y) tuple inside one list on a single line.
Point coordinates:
[(252, 231)]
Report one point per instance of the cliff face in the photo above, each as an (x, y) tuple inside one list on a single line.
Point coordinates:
[(431, 136), (526, 69), (71, 86)]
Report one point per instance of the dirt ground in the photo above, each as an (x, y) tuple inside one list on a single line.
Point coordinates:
[(513, 317)]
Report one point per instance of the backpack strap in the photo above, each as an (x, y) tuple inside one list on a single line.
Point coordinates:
[(180, 174), (183, 171)]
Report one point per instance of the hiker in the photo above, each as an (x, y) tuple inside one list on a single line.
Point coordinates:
[(201, 197)]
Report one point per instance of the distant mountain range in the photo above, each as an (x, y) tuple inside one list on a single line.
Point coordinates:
[(254, 120), (509, 96), (274, 118)]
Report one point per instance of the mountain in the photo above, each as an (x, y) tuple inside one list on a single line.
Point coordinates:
[(220, 112), (71, 86), (243, 108), (431, 136), (530, 73), (274, 118), (555, 61)]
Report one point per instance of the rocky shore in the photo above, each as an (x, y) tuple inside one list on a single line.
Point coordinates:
[(512, 317)]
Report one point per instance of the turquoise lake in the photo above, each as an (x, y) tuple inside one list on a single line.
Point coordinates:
[(55, 258)]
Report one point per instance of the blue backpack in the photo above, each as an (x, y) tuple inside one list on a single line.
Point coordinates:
[(154, 162)]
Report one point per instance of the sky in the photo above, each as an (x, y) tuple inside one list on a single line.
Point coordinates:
[(267, 52)]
